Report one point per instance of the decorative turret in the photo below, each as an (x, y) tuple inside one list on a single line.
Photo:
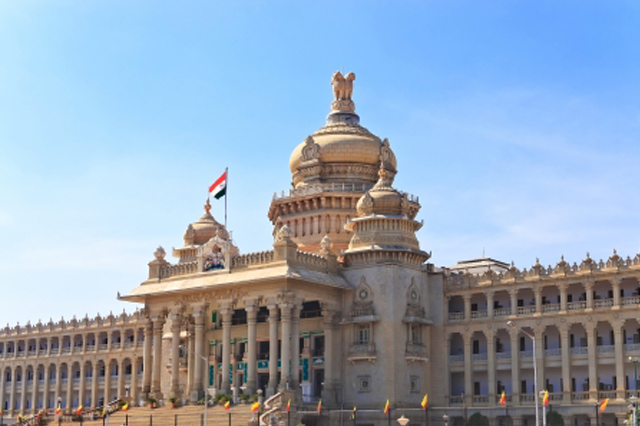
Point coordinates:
[(385, 225)]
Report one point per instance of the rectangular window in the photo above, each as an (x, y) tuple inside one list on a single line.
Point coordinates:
[(476, 347), (476, 388), (363, 335), (523, 386), (415, 334), (522, 344)]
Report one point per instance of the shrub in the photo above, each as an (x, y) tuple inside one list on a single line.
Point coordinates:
[(478, 419), (554, 419)]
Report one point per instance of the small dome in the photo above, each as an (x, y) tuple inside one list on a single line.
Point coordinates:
[(204, 229), (382, 199)]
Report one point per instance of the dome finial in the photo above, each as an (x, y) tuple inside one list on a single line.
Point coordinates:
[(207, 206), (343, 110)]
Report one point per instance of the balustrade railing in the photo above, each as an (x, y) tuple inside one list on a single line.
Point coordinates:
[(526, 354), (602, 303), (631, 300), (583, 350), (524, 310), (454, 359), (551, 307), (456, 316), (503, 355), (478, 314), (501, 312), (572, 306), (479, 357), (580, 396), (553, 353), (605, 349), (632, 347)]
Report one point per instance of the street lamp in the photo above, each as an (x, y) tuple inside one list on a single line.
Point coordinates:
[(403, 420), (535, 366), (206, 394), (445, 418)]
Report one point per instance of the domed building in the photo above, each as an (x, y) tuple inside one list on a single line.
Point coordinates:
[(345, 309)]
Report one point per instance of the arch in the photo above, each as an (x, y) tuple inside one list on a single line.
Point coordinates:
[(90, 340), (413, 293), (129, 338), (550, 296), (116, 339), (501, 304), (526, 301), (78, 341), (456, 308), (103, 340), (630, 291), (363, 292), (52, 371), (478, 305)]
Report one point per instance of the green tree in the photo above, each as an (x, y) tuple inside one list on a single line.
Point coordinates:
[(478, 419), (554, 419)]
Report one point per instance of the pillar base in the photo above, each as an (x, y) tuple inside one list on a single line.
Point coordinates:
[(195, 396), (271, 390)]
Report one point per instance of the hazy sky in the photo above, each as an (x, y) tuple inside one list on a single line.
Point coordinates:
[(516, 123)]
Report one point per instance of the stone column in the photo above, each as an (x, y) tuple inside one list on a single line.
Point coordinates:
[(273, 349), (589, 290), (615, 283), (82, 390), (34, 391), (468, 368), (12, 393), (295, 346), (592, 360), (158, 325), (490, 295), (120, 384), (198, 390), (491, 364), (514, 302), (285, 346), (94, 386), (515, 366), (252, 346), (176, 326), (563, 297), (56, 392), (69, 403), (146, 357), (107, 381), (330, 315), (226, 312), (619, 354), (566, 363), (467, 306), (133, 393), (538, 332), (23, 394), (538, 295), (45, 391), (190, 359)]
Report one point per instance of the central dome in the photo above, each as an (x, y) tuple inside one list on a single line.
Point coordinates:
[(341, 151)]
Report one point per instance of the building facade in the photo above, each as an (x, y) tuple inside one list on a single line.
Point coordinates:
[(345, 308)]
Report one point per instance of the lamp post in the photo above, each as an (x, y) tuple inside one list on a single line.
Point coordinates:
[(535, 366), (445, 418), (206, 394), (633, 400), (403, 420)]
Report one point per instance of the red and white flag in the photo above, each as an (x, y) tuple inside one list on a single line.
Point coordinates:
[(219, 187)]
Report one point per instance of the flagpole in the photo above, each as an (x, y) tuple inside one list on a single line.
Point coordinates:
[(226, 195)]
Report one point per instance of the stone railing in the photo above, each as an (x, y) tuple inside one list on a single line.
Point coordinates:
[(185, 268), (632, 347), (551, 307), (501, 312), (73, 324), (553, 353), (362, 348), (602, 303), (526, 354), (572, 306), (605, 349), (503, 355), (311, 260), (480, 399), (631, 300), (580, 351), (524, 310), (252, 259), (323, 187), (454, 359), (479, 357), (580, 396), (456, 316), (478, 314), (540, 273)]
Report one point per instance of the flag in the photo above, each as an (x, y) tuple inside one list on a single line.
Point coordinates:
[(79, 410), (219, 187), (353, 416), (125, 407), (424, 402), (603, 405), (503, 399), (227, 405), (387, 407), (319, 406), (19, 418), (255, 407), (545, 399), (58, 409), (288, 406), (104, 411)]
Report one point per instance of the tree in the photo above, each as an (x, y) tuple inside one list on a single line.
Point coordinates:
[(554, 419), (478, 419)]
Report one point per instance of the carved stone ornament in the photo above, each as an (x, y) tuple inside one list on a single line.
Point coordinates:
[(386, 155), (367, 204), (189, 235), (212, 254), (342, 85), (160, 253), (207, 296), (325, 245), (311, 150), (284, 233)]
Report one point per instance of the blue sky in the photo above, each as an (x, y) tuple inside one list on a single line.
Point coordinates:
[(516, 123)]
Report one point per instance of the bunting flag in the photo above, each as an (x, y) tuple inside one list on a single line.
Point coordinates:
[(319, 406), (387, 407), (125, 407), (256, 406), (288, 406), (227, 405), (19, 418), (545, 399), (503, 399), (219, 187), (79, 410), (603, 405), (424, 402), (353, 415), (104, 411), (58, 409)]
